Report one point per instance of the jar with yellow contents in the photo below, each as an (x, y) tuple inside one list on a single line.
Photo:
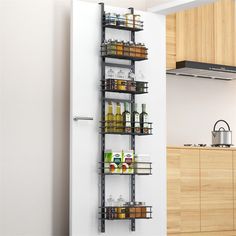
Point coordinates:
[(121, 209)]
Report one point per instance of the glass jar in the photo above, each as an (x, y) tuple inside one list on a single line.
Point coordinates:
[(120, 20), (138, 210), (129, 20), (126, 48), (132, 49), (112, 19), (137, 22), (130, 210), (119, 48), (131, 85), (143, 51), (138, 50), (144, 210), (121, 210), (110, 210)]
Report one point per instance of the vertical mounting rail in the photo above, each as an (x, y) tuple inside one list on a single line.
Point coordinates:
[(102, 119), (132, 180)]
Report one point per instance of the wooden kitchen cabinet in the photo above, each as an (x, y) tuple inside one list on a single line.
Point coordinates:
[(216, 171), (204, 34), (183, 191), (234, 178)]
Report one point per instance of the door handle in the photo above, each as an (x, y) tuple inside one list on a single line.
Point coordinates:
[(76, 118)]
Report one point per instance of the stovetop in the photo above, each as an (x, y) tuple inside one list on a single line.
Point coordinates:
[(205, 145), (195, 145)]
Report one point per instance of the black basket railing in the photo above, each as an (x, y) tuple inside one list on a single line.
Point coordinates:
[(116, 127), (125, 168), (126, 212), (124, 86)]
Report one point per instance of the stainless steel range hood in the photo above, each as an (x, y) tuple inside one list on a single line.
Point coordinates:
[(204, 70)]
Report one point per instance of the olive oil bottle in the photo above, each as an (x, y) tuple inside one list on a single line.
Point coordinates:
[(136, 119), (109, 125), (119, 119), (126, 119), (144, 120)]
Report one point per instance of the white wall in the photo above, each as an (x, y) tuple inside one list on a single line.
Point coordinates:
[(34, 116), (85, 151), (34, 128), (193, 107)]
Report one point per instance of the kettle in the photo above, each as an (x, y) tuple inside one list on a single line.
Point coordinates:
[(221, 137)]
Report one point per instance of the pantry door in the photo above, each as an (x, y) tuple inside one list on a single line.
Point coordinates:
[(85, 137)]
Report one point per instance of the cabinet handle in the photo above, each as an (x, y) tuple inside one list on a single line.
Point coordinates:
[(76, 118)]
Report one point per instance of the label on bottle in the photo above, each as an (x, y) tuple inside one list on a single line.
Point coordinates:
[(145, 120), (137, 123), (127, 123), (136, 119)]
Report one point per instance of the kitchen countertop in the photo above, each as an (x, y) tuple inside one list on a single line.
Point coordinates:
[(202, 148)]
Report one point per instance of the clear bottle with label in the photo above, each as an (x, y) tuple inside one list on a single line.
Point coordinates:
[(127, 119), (136, 119), (144, 120), (109, 124), (119, 119)]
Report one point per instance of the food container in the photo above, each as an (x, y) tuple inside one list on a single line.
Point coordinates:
[(142, 164), (128, 159), (138, 209), (131, 85), (112, 162), (120, 20), (129, 20), (121, 84), (126, 48)]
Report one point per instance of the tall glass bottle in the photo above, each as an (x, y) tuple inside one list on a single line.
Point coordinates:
[(126, 119), (119, 119), (136, 119), (109, 125), (144, 120)]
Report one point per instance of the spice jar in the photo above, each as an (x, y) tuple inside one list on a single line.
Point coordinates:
[(131, 85), (120, 20), (119, 48), (138, 209), (121, 210), (110, 210), (112, 19), (132, 49), (121, 85), (143, 51), (144, 210), (129, 20), (126, 48), (130, 210), (111, 47), (137, 22), (138, 50)]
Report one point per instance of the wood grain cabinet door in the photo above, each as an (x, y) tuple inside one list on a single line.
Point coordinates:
[(216, 190), (234, 175), (183, 191)]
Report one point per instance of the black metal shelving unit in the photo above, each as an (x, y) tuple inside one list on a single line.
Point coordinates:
[(104, 99)]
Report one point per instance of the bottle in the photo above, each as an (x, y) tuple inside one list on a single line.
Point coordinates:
[(121, 210), (109, 127), (119, 119), (144, 120), (135, 119), (127, 119)]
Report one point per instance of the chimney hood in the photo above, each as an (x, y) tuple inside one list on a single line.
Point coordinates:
[(204, 70)]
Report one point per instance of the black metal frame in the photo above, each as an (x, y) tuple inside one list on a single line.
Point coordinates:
[(103, 102)]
